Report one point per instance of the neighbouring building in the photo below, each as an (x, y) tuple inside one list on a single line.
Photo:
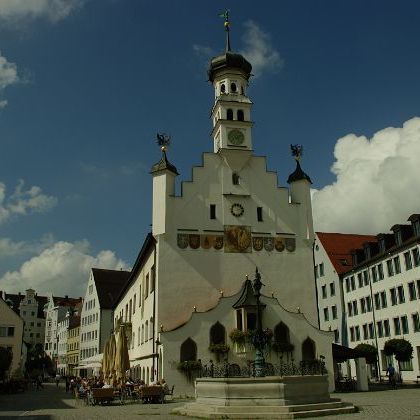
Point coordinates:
[(11, 333), (332, 257), (188, 289), (30, 308), (56, 310), (382, 293), (73, 344), (96, 323)]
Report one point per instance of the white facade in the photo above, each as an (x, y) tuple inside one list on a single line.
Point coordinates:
[(230, 218), (34, 330), (381, 296), (90, 322), (330, 294), (62, 334)]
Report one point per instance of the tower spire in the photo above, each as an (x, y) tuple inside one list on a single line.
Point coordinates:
[(225, 16)]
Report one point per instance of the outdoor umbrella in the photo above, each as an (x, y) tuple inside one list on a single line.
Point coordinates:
[(122, 358), (111, 358), (105, 360)]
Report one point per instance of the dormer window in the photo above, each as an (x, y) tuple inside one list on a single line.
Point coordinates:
[(416, 227), (233, 87), (382, 245), (240, 115)]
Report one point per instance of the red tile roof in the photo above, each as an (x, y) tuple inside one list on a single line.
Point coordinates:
[(338, 246)]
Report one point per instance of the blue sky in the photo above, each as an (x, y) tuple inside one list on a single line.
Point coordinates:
[(86, 84)]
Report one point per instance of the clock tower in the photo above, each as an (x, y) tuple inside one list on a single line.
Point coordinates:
[(231, 114)]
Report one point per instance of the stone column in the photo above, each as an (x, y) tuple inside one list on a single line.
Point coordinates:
[(361, 374)]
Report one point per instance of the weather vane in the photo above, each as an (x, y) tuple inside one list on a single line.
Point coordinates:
[(225, 16), (163, 140), (297, 151)]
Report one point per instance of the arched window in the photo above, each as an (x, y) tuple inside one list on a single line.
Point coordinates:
[(133, 340), (281, 333), (229, 114), (146, 331), (138, 336), (240, 115), (188, 350), (222, 88), (217, 334), (308, 350), (142, 334), (233, 87)]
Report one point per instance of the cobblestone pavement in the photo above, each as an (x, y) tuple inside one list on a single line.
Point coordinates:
[(52, 403)]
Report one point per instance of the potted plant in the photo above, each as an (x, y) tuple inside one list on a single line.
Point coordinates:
[(219, 349), (237, 336), (190, 368), (282, 347)]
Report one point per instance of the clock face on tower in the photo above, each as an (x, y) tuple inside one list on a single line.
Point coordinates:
[(236, 137)]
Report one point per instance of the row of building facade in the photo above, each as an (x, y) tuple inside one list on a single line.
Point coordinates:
[(369, 289)]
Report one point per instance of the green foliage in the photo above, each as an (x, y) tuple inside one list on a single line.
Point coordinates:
[(219, 348), (282, 347), (237, 336), (6, 358), (400, 348), (189, 366), (368, 351), (38, 361)]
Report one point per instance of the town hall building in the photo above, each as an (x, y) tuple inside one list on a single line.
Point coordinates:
[(188, 284)]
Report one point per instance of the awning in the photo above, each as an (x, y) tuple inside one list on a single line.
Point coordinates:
[(343, 353), (93, 365), (96, 358)]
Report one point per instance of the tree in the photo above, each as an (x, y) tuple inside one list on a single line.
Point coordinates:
[(400, 348), (6, 358), (368, 351), (38, 362)]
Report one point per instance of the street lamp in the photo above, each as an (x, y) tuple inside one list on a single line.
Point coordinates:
[(259, 339)]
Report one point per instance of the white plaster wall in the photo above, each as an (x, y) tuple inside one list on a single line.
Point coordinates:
[(143, 312), (9, 318), (408, 308), (198, 328), (190, 277), (330, 276)]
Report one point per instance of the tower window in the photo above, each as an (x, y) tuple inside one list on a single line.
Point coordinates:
[(229, 114), (235, 179), (222, 88), (260, 214), (242, 90), (212, 211), (240, 115), (233, 87)]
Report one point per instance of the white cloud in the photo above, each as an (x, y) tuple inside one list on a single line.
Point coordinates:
[(53, 10), (203, 51), (24, 202), (377, 182), (8, 76), (259, 51), (10, 248), (63, 268)]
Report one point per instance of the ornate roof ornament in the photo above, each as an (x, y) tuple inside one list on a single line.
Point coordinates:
[(298, 174), (163, 140)]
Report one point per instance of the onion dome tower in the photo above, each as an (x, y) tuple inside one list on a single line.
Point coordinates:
[(231, 113)]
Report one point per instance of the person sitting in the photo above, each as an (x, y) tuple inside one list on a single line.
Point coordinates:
[(165, 386)]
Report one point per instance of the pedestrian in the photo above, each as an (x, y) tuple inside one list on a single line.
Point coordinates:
[(390, 371), (57, 379), (39, 382)]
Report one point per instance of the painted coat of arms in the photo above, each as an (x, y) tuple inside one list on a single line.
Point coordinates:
[(290, 244), (269, 243), (258, 243), (279, 244), (207, 241), (218, 242), (238, 238), (182, 240), (194, 241)]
